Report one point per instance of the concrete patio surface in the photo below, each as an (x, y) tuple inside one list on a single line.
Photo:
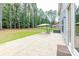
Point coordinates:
[(36, 45)]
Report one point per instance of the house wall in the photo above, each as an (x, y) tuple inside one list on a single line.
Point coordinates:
[(0, 16), (63, 17), (67, 14)]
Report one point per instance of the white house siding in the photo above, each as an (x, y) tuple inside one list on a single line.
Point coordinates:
[(0, 16), (63, 16), (69, 27)]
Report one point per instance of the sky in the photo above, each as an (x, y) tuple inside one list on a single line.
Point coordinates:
[(77, 4), (47, 5)]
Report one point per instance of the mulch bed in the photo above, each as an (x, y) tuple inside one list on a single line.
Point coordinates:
[(62, 50)]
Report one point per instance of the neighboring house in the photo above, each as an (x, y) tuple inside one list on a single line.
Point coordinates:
[(0, 16), (56, 25), (67, 25)]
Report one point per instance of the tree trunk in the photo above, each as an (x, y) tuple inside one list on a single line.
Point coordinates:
[(29, 20), (33, 19), (0, 16), (10, 15)]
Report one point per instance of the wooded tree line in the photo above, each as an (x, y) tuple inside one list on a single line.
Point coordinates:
[(24, 15)]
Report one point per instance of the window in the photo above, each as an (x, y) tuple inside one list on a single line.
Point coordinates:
[(76, 41)]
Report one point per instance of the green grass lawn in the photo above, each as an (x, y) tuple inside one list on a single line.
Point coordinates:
[(13, 34), (9, 35), (77, 28)]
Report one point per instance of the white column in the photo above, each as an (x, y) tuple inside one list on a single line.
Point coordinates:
[(66, 26), (64, 15), (72, 24)]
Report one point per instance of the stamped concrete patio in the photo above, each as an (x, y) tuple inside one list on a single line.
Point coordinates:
[(36, 45)]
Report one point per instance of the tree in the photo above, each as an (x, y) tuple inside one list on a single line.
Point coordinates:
[(22, 15), (0, 16), (5, 17), (51, 16)]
